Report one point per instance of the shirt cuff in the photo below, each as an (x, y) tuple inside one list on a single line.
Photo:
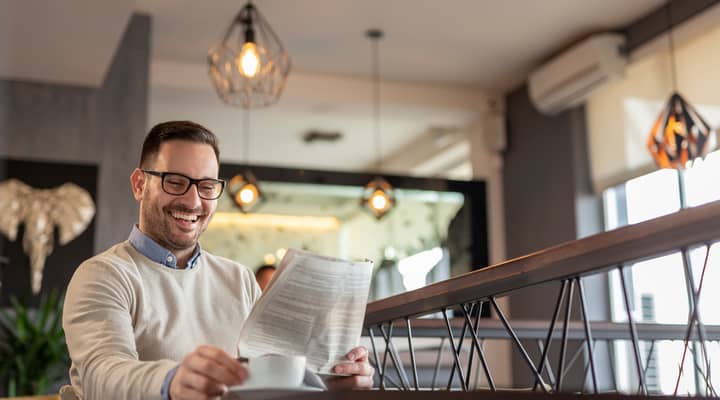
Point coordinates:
[(165, 389)]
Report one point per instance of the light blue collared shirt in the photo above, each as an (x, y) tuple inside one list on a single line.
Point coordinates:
[(152, 250)]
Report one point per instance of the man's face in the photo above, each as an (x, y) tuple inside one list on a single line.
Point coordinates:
[(176, 222)]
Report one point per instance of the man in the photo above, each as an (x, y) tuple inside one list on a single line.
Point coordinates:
[(263, 275), (155, 317)]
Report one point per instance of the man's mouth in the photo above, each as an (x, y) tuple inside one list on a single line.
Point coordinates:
[(182, 216)]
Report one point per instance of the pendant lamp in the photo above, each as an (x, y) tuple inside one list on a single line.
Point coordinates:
[(679, 134), (378, 195), (249, 68), (245, 191)]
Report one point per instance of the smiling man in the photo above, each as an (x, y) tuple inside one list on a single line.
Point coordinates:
[(155, 317)]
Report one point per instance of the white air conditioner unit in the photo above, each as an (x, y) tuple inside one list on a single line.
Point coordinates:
[(568, 79)]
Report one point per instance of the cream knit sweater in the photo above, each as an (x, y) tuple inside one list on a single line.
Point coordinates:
[(128, 320)]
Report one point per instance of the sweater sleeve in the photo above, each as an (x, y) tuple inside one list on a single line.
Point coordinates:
[(98, 327)]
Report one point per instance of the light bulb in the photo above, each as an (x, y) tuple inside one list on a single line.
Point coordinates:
[(249, 60), (379, 200), (248, 194), (269, 259)]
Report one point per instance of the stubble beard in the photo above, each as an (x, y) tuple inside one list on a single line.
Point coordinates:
[(159, 226)]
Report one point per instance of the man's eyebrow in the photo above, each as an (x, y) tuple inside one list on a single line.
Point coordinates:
[(187, 175)]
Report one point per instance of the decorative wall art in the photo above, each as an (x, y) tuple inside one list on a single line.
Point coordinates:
[(68, 207), (46, 225)]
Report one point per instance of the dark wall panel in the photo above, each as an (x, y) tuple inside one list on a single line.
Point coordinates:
[(548, 201), (538, 178), (121, 124), (98, 128)]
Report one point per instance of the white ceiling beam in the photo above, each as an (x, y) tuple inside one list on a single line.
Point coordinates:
[(332, 89), (435, 149)]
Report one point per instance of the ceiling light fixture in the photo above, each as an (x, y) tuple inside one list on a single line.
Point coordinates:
[(245, 190), (250, 66), (379, 194), (680, 134), (243, 187)]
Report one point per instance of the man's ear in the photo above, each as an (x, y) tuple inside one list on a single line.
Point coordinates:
[(137, 182)]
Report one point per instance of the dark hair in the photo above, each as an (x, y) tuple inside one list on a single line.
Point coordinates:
[(176, 130), (264, 268)]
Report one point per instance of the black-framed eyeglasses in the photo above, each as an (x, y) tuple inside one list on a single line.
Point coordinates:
[(178, 184)]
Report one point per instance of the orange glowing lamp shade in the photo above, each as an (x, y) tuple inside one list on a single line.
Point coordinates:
[(378, 197), (679, 135), (245, 191)]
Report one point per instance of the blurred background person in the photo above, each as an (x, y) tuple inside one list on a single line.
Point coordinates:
[(263, 275)]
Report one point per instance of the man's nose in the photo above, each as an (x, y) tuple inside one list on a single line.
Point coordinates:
[(191, 198)]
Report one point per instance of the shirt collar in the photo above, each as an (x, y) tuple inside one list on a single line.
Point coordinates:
[(152, 250)]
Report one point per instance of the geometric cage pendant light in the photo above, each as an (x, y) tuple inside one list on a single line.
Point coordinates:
[(249, 68), (378, 195), (245, 191), (679, 133)]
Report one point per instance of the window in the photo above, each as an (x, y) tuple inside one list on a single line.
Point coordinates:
[(658, 293)]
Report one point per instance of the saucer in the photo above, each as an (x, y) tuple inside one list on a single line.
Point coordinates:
[(326, 375), (246, 392), (251, 388)]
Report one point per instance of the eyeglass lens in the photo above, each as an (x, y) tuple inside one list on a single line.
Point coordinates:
[(208, 189)]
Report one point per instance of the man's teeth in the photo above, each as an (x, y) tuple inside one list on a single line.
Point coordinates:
[(186, 217)]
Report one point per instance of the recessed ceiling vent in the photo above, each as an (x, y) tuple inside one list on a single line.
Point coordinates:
[(315, 136)]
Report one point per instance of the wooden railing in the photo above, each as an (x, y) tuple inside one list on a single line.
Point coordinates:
[(567, 263)]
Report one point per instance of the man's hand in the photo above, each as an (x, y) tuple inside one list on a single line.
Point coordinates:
[(360, 371), (206, 373)]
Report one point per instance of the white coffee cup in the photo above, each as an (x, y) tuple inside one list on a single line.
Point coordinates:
[(276, 371)]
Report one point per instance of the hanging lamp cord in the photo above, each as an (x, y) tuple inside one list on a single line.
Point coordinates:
[(246, 136), (374, 38), (671, 42)]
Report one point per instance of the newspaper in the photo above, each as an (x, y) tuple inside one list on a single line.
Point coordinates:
[(313, 306)]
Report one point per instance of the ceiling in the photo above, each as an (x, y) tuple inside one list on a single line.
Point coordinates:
[(443, 65), (490, 44)]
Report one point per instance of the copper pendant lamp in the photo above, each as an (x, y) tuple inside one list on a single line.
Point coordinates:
[(378, 195), (680, 134), (249, 68), (245, 191)]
